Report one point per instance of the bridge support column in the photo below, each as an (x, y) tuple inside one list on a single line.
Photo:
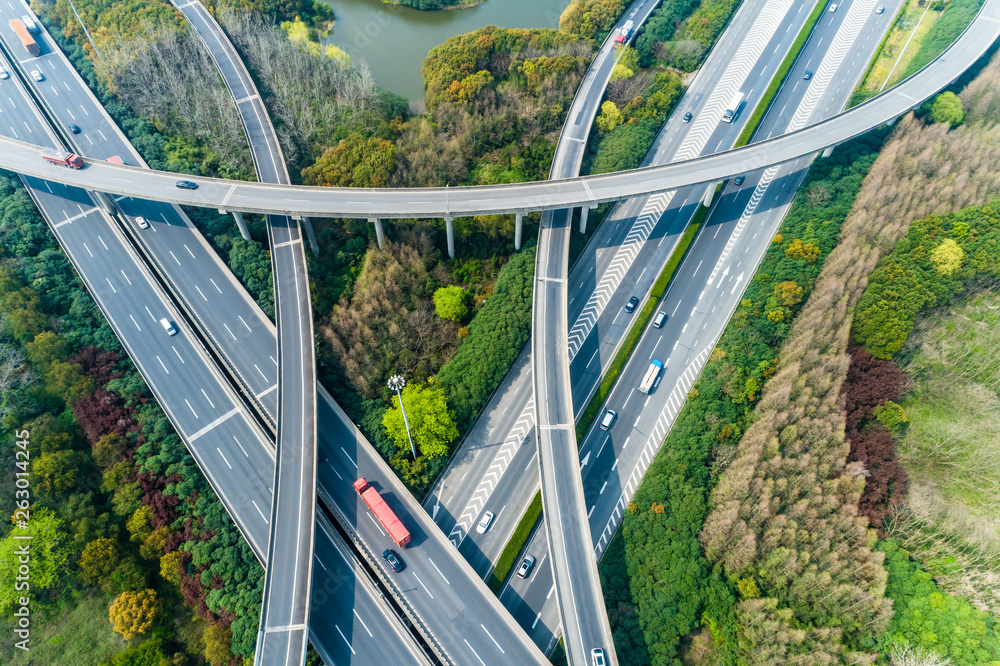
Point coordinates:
[(584, 213), (828, 151), (238, 216), (106, 202), (379, 233), (450, 229), (518, 224), (311, 235)]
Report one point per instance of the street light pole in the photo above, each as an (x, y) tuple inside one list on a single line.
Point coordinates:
[(396, 383)]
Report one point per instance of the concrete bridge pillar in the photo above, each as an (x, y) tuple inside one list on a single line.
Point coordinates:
[(584, 214), (238, 216), (828, 151), (311, 235), (518, 224), (450, 229), (379, 233)]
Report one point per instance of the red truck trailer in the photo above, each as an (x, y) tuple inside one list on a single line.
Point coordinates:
[(390, 522), (63, 158), (22, 33)]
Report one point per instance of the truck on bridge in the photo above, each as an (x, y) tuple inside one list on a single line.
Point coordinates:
[(393, 525), (26, 39), (63, 158)]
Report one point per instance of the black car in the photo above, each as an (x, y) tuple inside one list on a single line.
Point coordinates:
[(688, 116), (392, 558), (739, 180), (187, 185), (632, 302), (808, 75), (74, 129)]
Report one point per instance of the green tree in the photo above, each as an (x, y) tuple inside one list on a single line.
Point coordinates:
[(947, 108), (947, 257), (449, 303), (357, 161), (49, 553), (217, 641), (98, 559), (890, 415), (432, 424)]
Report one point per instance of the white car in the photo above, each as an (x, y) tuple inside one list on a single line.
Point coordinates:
[(484, 524), (833, 8), (168, 326), (36, 75), (4, 74), (141, 221), (880, 9)]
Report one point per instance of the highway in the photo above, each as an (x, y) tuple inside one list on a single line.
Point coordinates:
[(283, 634), (242, 336), (501, 440), (224, 438), (985, 30), (22, 157), (573, 566), (185, 260), (579, 597), (706, 291)]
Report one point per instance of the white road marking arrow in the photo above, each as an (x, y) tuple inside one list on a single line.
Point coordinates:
[(739, 278), (586, 459)]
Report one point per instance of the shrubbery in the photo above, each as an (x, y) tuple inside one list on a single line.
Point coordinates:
[(938, 258)]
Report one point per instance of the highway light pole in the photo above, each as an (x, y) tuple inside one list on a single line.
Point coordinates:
[(396, 383)]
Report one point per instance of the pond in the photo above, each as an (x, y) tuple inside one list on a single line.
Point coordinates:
[(394, 40)]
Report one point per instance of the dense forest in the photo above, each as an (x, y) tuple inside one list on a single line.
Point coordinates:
[(134, 531)]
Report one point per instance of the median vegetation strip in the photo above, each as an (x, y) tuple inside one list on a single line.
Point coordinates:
[(625, 351), (517, 540), (780, 75)]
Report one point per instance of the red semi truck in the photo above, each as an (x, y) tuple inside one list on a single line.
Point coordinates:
[(389, 521), (22, 33), (63, 158)]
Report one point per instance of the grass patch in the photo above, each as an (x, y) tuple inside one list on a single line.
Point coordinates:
[(639, 325), (79, 634), (914, 19), (951, 448), (516, 543), (780, 75)]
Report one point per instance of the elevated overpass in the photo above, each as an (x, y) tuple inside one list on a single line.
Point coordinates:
[(25, 158)]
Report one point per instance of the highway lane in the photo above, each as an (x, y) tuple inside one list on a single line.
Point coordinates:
[(21, 157), (282, 637), (351, 607), (464, 592), (705, 292), (578, 590), (639, 232)]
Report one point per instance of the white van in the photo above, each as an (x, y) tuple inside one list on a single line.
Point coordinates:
[(168, 326), (660, 319)]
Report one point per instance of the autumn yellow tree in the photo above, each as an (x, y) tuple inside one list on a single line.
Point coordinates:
[(133, 613), (99, 559)]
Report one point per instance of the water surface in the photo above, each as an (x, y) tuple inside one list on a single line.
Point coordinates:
[(394, 40)]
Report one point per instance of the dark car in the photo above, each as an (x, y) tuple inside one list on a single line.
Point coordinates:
[(808, 75), (632, 302), (688, 116), (187, 185), (392, 558), (75, 129), (739, 180)]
